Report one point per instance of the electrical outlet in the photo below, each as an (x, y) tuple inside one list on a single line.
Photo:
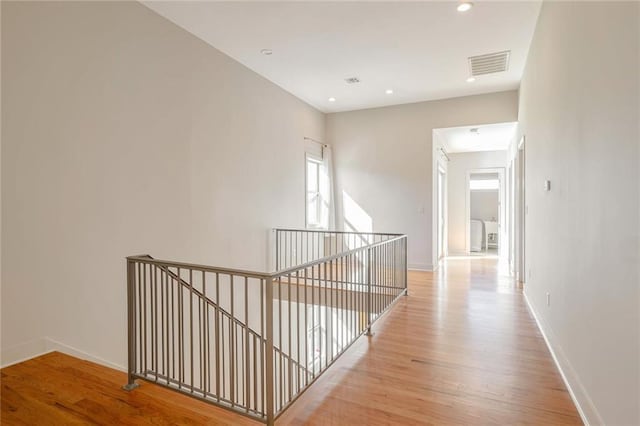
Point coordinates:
[(548, 299)]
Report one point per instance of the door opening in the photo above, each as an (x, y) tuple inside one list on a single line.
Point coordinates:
[(485, 212)]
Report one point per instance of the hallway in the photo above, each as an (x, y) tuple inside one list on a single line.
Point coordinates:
[(462, 349)]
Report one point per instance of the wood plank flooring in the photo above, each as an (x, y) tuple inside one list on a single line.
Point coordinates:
[(461, 349)]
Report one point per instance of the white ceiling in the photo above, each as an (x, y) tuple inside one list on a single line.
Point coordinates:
[(489, 137), (418, 49)]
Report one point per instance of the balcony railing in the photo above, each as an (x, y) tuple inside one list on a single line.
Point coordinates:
[(250, 341)]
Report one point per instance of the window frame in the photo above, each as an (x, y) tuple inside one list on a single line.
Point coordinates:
[(318, 161)]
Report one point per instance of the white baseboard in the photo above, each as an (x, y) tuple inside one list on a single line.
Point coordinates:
[(37, 347), (53, 345), (423, 267), (23, 352), (587, 410)]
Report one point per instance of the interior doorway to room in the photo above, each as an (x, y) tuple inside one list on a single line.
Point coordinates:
[(485, 212), (472, 197)]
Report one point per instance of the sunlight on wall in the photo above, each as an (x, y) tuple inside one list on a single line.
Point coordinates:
[(356, 219)]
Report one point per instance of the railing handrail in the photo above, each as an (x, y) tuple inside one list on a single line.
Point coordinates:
[(326, 231), (270, 275), (329, 258), (198, 267)]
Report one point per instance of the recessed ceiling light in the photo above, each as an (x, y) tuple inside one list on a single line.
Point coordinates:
[(389, 91), (463, 7), (471, 79), (332, 99), (267, 52)]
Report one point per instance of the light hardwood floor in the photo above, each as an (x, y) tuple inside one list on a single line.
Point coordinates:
[(461, 349)]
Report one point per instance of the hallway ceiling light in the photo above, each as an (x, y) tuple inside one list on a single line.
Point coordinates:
[(332, 99), (463, 7), (471, 79), (389, 91)]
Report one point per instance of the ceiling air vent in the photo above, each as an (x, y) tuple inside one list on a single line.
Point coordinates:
[(490, 63), (352, 80)]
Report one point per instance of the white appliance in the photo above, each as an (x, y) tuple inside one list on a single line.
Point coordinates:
[(476, 234)]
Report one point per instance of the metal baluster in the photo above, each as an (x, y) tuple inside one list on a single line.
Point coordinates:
[(289, 367), (233, 375), (263, 283), (246, 343), (173, 330), (219, 351), (165, 312), (180, 331), (131, 326), (327, 317), (369, 277), (279, 381), (269, 353), (298, 327), (191, 326)]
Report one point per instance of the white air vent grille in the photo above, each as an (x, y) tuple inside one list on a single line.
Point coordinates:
[(490, 63), (352, 80)]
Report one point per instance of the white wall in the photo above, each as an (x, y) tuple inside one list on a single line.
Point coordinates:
[(579, 112), (459, 166), (484, 204), (383, 160), (123, 134)]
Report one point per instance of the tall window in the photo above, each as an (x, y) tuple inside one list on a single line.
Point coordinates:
[(314, 195)]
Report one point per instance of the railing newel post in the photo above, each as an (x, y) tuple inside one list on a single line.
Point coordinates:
[(405, 267), (131, 336), (369, 278), (269, 411)]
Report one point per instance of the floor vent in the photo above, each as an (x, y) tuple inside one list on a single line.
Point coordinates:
[(490, 63)]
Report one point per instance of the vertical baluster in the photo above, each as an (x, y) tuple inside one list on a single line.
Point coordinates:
[(232, 347), (246, 344), (203, 316), (219, 349), (180, 331), (131, 325), (191, 327), (298, 327), (155, 321), (173, 329), (255, 371), (313, 322), (269, 353), (263, 301), (144, 318), (165, 329), (306, 325), (290, 350), (327, 318), (280, 360)]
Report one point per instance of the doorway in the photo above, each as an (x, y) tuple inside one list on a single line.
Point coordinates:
[(485, 214)]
